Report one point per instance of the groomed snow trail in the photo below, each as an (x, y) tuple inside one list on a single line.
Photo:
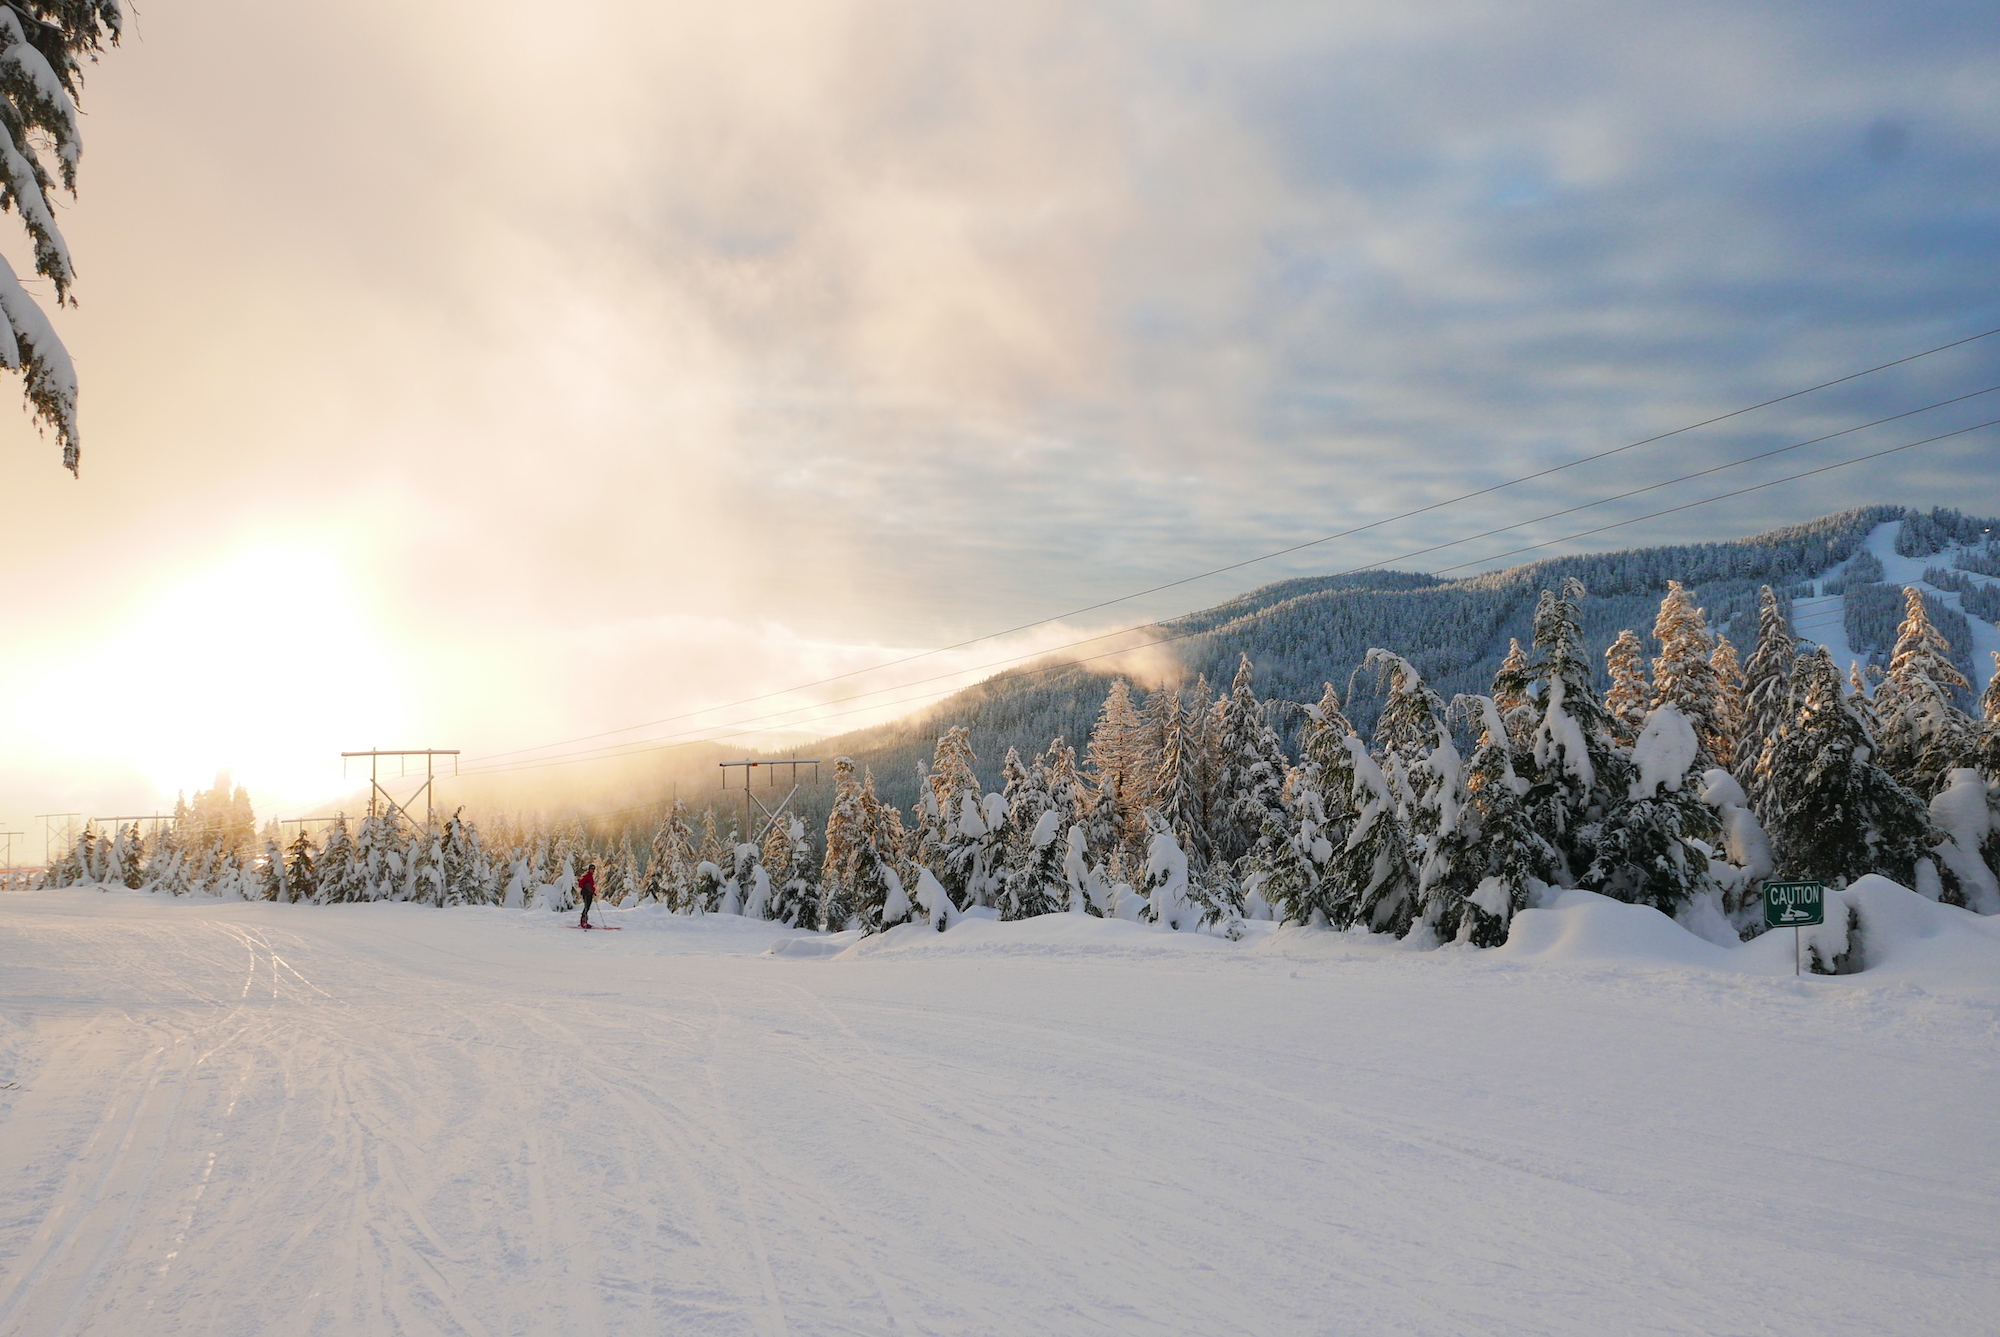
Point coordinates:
[(237, 1119)]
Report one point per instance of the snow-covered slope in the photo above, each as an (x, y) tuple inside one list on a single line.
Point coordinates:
[(249, 1118)]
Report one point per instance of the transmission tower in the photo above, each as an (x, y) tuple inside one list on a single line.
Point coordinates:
[(771, 813), (379, 797)]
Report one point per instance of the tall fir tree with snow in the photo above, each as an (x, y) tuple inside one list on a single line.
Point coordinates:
[(1729, 703), (464, 875), (272, 873), (1630, 692), (378, 855), (44, 45), (1579, 769), (1922, 734), (858, 886), (429, 867), (1512, 861), (1861, 701), (1442, 831), (1037, 880), (625, 871), (1250, 769), (340, 880), (885, 827), (1025, 789), (1121, 773), (965, 846), (1684, 672), (302, 868), (669, 878), (1177, 782), (1068, 793), (1175, 898), (1373, 871), (1421, 766), (1282, 871), (1653, 848), (846, 833), (795, 879), (710, 849), (1769, 703), (1512, 682), (1835, 814)]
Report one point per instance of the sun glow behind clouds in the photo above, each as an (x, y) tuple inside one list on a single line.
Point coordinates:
[(263, 665)]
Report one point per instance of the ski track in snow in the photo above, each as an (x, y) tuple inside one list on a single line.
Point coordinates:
[(250, 1118), (1823, 624)]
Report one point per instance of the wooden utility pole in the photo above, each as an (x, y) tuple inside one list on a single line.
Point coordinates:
[(380, 797), (771, 814)]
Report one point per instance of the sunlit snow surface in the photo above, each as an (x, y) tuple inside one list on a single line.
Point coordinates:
[(236, 1119)]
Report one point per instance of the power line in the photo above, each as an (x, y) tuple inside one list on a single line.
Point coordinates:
[(615, 749), (760, 725), (763, 723), (1252, 561)]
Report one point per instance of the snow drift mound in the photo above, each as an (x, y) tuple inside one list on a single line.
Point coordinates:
[(1874, 926), (1584, 927)]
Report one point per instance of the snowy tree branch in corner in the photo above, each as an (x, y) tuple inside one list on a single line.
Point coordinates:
[(43, 44)]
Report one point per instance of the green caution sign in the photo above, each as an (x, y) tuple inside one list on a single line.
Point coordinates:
[(1794, 904)]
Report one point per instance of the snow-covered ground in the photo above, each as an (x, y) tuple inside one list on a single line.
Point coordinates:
[(1820, 621), (226, 1118)]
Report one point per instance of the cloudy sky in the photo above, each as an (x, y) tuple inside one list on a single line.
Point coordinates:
[(486, 374)]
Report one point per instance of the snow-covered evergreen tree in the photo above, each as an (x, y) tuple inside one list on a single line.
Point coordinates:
[(1729, 702), (622, 872), (302, 868), (340, 877), (43, 47), (1512, 684), (1283, 874), (1579, 769), (1922, 734), (1089, 892), (1630, 692), (669, 878), (1037, 882), (272, 873), (1173, 896), (1965, 811), (1069, 794), (1835, 814), (1026, 791), (796, 897), (1250, 769), (1121, 771), (859, 887), (1177, 784), (710, 849), (1373, 872), (1512, 862), (463, 874), (965, 846), (1684, 672), (378, 856), (847, 832), (1654, 847)]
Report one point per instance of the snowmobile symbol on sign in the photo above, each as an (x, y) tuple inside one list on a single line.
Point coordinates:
[(1794, 904)]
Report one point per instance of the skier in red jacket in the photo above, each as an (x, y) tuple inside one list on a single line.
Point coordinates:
[(587, 884)]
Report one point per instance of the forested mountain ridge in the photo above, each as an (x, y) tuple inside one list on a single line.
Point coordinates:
[(1304, 632)]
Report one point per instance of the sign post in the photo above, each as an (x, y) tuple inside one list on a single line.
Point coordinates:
[(1798, 904)]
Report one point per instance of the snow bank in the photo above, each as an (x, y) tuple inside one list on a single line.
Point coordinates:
[(1043, 935), (1584, 927), (1898, 935)]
